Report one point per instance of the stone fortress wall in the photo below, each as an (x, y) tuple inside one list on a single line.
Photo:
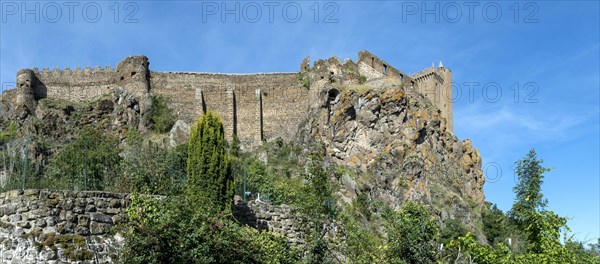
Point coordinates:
[(74, 85), (254, 107)]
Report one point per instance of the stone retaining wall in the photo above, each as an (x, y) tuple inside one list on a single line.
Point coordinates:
[(54, 226), (280, 219), (47, 226)]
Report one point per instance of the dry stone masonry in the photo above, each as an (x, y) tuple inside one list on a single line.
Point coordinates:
[(44, 226), (50, 226)]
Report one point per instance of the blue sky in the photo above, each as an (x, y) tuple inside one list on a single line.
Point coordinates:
[(547, 52)]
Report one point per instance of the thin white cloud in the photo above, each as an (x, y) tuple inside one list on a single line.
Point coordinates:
[(522, 123)]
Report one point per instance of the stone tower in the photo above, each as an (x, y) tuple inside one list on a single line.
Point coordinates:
[(435, 83), (25, 103), (446, 95)]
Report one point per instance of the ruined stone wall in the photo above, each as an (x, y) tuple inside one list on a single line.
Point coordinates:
[(283, 220), (263, 216), (49, 226), (74, 85), (253, 106), (382, 67)]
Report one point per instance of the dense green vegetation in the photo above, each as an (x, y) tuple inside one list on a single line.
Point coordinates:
[(160, 116), (194, 227), (193, 223), (528, 233), (85, 164), (149, 169)]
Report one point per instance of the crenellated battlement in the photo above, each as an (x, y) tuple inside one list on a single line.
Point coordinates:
[(426, 75), (426, 71), (76, 75)]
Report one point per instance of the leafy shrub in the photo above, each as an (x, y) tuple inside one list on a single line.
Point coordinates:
[(9, 133), (363, 245), (362, 79), (305, 79), (453, 229), (160, 116), (172, 231), (150, 169), (264, 180), (89, 163), (412, 233), (318, 201)]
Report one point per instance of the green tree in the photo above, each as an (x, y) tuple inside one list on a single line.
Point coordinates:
[(529, 197), (318, 204), (210, 178), (412, 233), (543, 228), (318, 201), (494, 223), (89, 163)]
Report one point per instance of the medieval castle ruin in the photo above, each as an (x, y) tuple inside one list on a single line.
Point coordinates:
[(254, 107)]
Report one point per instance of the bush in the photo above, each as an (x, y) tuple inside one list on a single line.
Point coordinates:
[(171, 231), (160, 116), (89, 163), (305, 79), (412, 233), (362, 79), (363, 245), (150, 169), (453, 229), (8, 134)]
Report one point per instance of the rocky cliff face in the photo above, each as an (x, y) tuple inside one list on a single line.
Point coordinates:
[(399, 148)]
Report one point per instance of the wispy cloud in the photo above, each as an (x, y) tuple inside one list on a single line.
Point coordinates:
[(524, 123), (501, 131)]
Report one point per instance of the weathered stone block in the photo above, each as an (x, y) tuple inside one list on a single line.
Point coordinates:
[(117, 219), (115, 203), (90, 208), (83, 220), (31, 192), (99, 228), (82, 230), (8, 209), (40, 222), (15, 218), (102, 218), (100, 204), (24, 224)]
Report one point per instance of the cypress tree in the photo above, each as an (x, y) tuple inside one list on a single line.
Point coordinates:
[(210, 178)]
